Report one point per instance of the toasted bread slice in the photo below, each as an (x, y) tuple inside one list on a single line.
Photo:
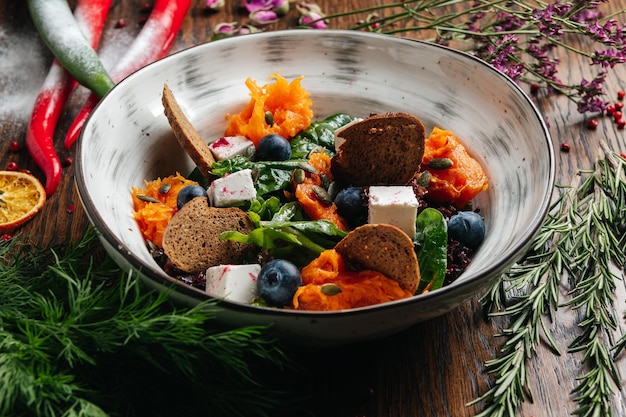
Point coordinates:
[(383, 248), (186, 134), (384, 149), (192, 238)]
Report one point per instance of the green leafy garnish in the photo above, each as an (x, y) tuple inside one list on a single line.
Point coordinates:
[(319, 134), (432, 239), (298, 241), (80, 337), (271, 175), (583, 239)]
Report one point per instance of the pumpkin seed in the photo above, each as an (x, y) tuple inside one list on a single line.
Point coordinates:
[(316, 149), (147, 198), (298, 175), (322, 194), (165, 188), (307, 167), (269, 118), (325, 180), (255, 174), (330, 289), (424, 179), (249, 152), (333, 189), (440, 163)]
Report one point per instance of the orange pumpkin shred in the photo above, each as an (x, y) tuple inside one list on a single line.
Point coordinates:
[(315, 208), (153, 217), (288, 103), (358, 289), (459, 183)]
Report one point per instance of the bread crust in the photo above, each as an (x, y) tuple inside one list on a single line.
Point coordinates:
[(383, 248), (186, 134), (192, 238), (383, 149)]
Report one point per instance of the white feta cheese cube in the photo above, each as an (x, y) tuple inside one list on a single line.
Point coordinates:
[(229, 146), (395, 205), (232, 189), (233, 282)]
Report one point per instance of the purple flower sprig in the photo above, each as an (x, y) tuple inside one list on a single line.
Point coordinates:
[(522, 39), (265, 12)]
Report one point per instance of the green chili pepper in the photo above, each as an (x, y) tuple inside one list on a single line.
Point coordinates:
[(58, 28)]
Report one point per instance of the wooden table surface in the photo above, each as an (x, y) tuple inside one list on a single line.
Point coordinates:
[(432, 369)]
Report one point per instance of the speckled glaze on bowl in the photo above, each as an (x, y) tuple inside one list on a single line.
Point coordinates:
[(127, 140)]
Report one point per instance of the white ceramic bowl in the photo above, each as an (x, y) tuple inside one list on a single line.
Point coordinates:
[(127, 140)]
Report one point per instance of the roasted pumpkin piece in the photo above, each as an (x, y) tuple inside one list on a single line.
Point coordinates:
[(155, 205), (311, 195), (456, 177), (329, 284), (282, 107)]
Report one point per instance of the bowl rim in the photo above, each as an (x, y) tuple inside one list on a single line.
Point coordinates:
[(159, 277)]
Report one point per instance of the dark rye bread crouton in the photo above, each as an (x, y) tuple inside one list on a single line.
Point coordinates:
[(383, 149), (383, 248), (192, 238), (186, 134)]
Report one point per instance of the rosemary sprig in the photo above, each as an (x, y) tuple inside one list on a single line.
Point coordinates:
[(582, 238), (599, 247), (80, 337)]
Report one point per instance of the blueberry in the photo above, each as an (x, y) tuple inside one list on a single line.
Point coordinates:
[(278, 282), (351, 205), (188, 193), (468, 228), (273, 147)]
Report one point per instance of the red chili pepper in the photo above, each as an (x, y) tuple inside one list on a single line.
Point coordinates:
[(152, 43), (55, 91)]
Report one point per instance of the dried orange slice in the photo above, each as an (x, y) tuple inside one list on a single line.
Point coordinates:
[(21, 197)]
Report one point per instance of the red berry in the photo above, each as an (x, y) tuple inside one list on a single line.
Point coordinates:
[(6, 237), (621, 94), (592, 124), (617, 115), (610, 109), (70, 208), (618, 105), (534, 88), (121, 23), (14, 146), (621, 123), (623, 155), (565, 147), (12, 166), (66, 162)]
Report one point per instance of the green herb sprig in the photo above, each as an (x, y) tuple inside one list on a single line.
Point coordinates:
[(79, 337), (582, 238)]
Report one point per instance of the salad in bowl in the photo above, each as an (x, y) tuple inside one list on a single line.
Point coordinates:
[(289, 212), (129, 150)]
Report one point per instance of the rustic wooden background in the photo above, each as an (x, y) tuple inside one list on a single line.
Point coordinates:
[(432, 369)]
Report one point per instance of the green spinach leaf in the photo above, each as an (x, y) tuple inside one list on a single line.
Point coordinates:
[(320, 133), (432, 237)]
